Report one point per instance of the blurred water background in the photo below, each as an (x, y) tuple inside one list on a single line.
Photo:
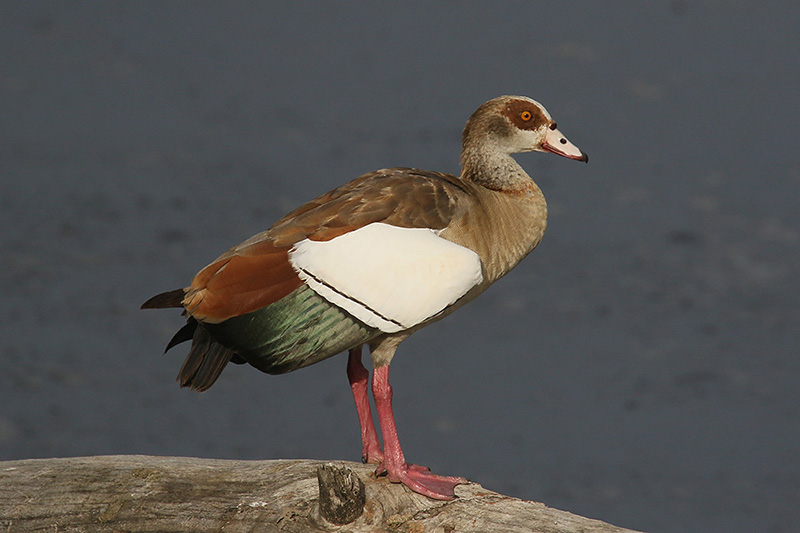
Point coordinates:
[(641, 366)]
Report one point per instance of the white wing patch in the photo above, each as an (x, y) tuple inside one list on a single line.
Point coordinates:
[(390, 278)]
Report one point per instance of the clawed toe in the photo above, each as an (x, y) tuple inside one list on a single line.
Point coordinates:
[(422, 481)]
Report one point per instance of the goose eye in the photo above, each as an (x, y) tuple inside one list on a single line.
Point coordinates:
[(553, 126), (526, 116)]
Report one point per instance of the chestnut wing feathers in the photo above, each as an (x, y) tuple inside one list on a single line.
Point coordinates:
[(258, 272)]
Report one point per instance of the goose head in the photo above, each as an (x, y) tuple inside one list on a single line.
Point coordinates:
[(513, 124)]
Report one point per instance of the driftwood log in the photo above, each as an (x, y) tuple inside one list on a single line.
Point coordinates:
[(144, 493)]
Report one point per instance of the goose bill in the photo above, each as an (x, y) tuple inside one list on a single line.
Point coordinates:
[(556, 143)]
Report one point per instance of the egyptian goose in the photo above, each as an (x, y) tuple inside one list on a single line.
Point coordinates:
[(371, 262)]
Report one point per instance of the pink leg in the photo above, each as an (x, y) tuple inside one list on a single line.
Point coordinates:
[(418, 479), (359, 377)]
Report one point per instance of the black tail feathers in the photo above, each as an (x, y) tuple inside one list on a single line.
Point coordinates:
[(206, 360), (186, 333), (165, 299)]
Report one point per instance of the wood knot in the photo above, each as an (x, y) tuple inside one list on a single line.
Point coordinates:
[(341, 494)]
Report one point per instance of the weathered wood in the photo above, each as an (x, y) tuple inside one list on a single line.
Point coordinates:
[(342, 495), (144, 493)]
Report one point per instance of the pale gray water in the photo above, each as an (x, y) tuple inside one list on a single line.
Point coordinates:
[(640, 367)]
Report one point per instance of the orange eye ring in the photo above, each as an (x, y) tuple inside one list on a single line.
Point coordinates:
[(526, 116)]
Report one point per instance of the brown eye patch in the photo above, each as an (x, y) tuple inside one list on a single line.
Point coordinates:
[(524, 115)]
